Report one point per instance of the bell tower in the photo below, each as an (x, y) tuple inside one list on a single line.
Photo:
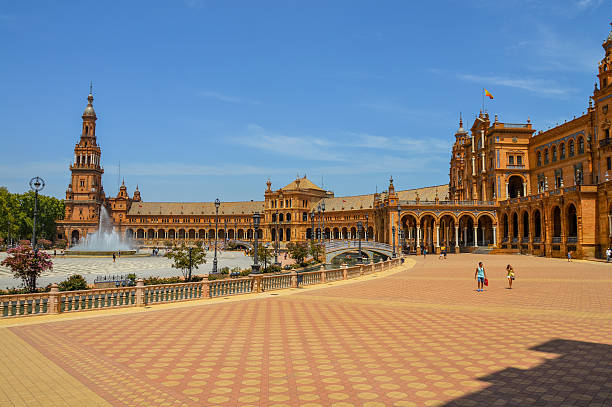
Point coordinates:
[(85, 194)]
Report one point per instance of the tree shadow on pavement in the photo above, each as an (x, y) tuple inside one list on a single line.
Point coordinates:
[(580, 376)]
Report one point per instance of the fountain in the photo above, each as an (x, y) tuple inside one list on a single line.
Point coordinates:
[(104, 242)]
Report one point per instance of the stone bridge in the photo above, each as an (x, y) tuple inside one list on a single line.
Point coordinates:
[(336, 248)]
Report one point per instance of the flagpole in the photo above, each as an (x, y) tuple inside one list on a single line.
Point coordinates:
[(483, 95)]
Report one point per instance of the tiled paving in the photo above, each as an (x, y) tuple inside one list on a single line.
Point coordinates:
[(420, 336)]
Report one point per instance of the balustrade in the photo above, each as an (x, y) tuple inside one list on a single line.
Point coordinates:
[(74, 301)]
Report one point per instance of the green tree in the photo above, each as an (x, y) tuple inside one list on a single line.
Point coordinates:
[(298, 251), (27, 264), (73, 283), (264, 255), (18, 211), (183, 257), (316, 250)]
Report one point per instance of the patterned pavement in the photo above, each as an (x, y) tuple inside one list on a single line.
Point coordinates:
[(419, 336)]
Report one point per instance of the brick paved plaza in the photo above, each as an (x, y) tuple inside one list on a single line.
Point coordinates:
[(413, 336)]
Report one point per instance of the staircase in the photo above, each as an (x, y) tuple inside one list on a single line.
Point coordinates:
[(483, 250)]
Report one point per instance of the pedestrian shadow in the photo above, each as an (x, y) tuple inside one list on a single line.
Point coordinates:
[(580, 376)]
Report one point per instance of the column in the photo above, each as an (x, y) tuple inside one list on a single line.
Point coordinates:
[(610, 225), (507, 191), (475, 236), (524, 188), (494, 235), (418, 236), (456, 235), (437, 236), (465, 235)]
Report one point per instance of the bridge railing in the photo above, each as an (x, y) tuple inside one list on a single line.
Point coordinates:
[(55, 301), (349, 244)]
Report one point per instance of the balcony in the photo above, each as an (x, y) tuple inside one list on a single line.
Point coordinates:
[(515, 166), (605, 142), (556, 239), (572, 239)]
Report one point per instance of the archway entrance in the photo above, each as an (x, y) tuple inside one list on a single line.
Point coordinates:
[(466, 231), (515, 186), (572, 224), (556, 218), (74, 236), (485, 230)]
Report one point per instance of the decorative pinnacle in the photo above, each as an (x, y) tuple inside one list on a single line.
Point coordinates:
[(91, 87)]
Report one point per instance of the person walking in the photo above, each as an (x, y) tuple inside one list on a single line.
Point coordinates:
[(569, 256), (114, 257), (608, 254), (480, 275), (510, 272)]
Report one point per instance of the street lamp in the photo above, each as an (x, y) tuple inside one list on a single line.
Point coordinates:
[(393, 234), (36, 184), (399, 230), (189, 276), (255, 266), (312, 229), (366, 229), (217, 204), (320, 230), (323, 220), (359, 230), (276, 242)]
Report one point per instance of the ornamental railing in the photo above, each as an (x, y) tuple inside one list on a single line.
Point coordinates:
[(55, 301)]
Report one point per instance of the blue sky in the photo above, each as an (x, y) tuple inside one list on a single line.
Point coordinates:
[(205, 99)]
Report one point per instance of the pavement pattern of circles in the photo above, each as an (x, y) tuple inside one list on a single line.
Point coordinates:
[(422, 336)]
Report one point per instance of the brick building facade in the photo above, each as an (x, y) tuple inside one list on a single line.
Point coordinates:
[(509, 187)]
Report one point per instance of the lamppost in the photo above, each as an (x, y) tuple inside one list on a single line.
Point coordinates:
[(399, 230), (323, 220), (255, 266), (320, 229), (217, 203), (359, 230), (366, 229), (36, 184), (393, 235), (312, 229), (276, 242), (189, 276)]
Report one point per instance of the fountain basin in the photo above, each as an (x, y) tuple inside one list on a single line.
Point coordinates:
[(81, 253)]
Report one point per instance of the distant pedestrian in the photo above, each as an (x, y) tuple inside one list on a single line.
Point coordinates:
[(569, 255), (480, 275), (441, 253), (510, 272), (55, 252), (114, 257), (608, 254)]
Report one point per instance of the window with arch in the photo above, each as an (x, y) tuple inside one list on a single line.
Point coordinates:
[(580, 145), (288, 217), (546, 156), (273, 217), (539, 157), (571, 148), (280, 217), (554, 153), (562, 151)]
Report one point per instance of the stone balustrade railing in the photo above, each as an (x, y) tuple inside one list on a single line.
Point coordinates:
[(55, 301)]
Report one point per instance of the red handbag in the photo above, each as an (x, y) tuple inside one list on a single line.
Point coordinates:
[(486, 282)]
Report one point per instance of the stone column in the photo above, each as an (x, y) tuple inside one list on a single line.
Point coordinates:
[(524, 188), (494, 235), (418, 236), (610, 225), (507, 191), (465, 235), (53, 302), (140, 300), (456, 235), (475, 236), (294, 280), (437, 236)]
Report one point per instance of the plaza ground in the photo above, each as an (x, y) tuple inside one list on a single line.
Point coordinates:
[(416, 335)]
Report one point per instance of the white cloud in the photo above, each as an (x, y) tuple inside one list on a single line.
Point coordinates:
[(540, 86), (208, 94), (583, 4)]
